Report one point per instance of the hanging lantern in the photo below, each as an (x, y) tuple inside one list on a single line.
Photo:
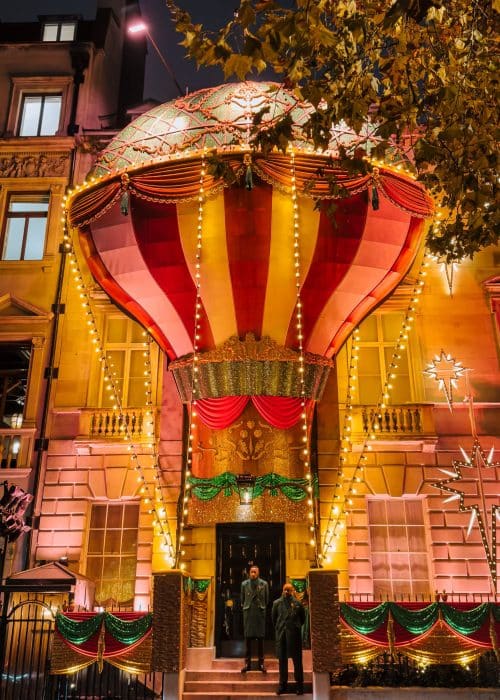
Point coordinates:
[(246, 485)]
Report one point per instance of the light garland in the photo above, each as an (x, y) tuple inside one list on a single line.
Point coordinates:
[(185, 490), (313, 541), (151, 497), (343, 493), (478, 513)]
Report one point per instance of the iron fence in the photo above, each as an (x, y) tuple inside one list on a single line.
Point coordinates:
[(26, 632)]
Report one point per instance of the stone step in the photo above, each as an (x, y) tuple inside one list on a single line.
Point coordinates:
[(207, 695), (214, 674), (270, 663), (229, 686)]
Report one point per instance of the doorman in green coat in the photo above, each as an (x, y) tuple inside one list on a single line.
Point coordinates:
[(254, 600), (288, 616)]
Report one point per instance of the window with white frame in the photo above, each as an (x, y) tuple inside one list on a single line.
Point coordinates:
[(126, 352), (59, 31), (25, 226), (378, 335), (40, 115), (399, 552), (112, 551)]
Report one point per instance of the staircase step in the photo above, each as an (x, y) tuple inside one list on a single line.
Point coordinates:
[(211, 675), (230, 686), (240, 696), (236, 664)]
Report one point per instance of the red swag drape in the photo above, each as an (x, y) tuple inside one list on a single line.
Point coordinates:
[(279, 411), (112, 646), (403, 637)]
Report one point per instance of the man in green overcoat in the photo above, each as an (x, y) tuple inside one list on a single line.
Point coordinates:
[(254, 600), (288, 616)]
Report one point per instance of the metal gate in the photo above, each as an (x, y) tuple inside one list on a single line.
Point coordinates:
[(26, 632), (25, 640)]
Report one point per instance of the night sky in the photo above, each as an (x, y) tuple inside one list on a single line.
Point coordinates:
[(158, 85)]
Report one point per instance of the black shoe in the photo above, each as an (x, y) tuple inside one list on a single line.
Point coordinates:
[(262, 668), (246, 667), (281, 690), (300, 691)]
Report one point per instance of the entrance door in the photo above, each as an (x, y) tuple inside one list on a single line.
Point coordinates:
[(239, 546)]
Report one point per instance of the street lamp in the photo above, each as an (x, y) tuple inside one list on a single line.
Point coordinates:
[(141, 27)]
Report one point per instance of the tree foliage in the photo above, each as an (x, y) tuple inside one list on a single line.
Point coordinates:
[(426, 68)]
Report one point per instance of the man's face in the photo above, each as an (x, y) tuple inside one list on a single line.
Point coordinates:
[(288, 590), (254, 572)]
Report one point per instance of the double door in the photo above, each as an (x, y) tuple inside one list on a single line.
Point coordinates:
[(240, 546)]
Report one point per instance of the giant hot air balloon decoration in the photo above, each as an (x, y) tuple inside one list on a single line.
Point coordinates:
[(249, 284)]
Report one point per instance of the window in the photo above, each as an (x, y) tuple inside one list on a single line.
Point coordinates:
[(112, 552), (40, 115), (40, 104), (398, 548), (59, 31), (377, 341), (125, 350), (25, 227)]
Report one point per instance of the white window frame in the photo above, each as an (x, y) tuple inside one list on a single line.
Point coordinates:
[(39, 85), (127, 346), (424, 553), (6, 217), (103, 555), (59, 24)]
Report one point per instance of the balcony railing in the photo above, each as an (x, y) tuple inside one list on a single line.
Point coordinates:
[(16, 447), (405, 421), (107, 424)]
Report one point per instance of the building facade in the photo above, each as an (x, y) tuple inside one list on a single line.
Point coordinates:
[(93, 418)]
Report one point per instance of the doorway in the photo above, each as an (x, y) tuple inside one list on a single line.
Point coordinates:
[(239, 546)]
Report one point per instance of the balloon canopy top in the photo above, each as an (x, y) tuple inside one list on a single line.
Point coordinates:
[(223, 119)]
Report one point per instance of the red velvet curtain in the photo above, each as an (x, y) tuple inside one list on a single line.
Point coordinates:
[(279, 411), (220, 413)]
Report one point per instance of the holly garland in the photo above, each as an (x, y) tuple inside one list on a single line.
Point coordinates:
[(124, 631), (479, 624), (293, 489)]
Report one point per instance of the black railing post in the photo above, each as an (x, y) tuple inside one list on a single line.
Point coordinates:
[(3, 633)]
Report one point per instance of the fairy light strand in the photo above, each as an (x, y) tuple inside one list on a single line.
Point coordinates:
[(343, 495), (185, 493), (153, 498), (300, 341)]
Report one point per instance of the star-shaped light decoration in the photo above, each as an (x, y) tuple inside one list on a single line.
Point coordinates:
[(445, 370), (470, 472)]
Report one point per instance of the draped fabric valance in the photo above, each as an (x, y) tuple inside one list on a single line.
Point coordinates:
[(178, 180), (408, 625), (279, 411), (83, 638)]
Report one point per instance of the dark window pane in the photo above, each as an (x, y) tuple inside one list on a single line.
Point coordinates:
[(111, 567), (129, 541), (94, 567), (114, 517), (96, 542), (131, 516), (98, 517), (112, 542)]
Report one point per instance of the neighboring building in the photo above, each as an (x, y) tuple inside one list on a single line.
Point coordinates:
[(65, 86), (64, 434)]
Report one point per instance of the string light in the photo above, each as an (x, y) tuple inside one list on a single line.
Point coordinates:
[(151, 497), (342, 499), (306, 453), (195, 377)]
